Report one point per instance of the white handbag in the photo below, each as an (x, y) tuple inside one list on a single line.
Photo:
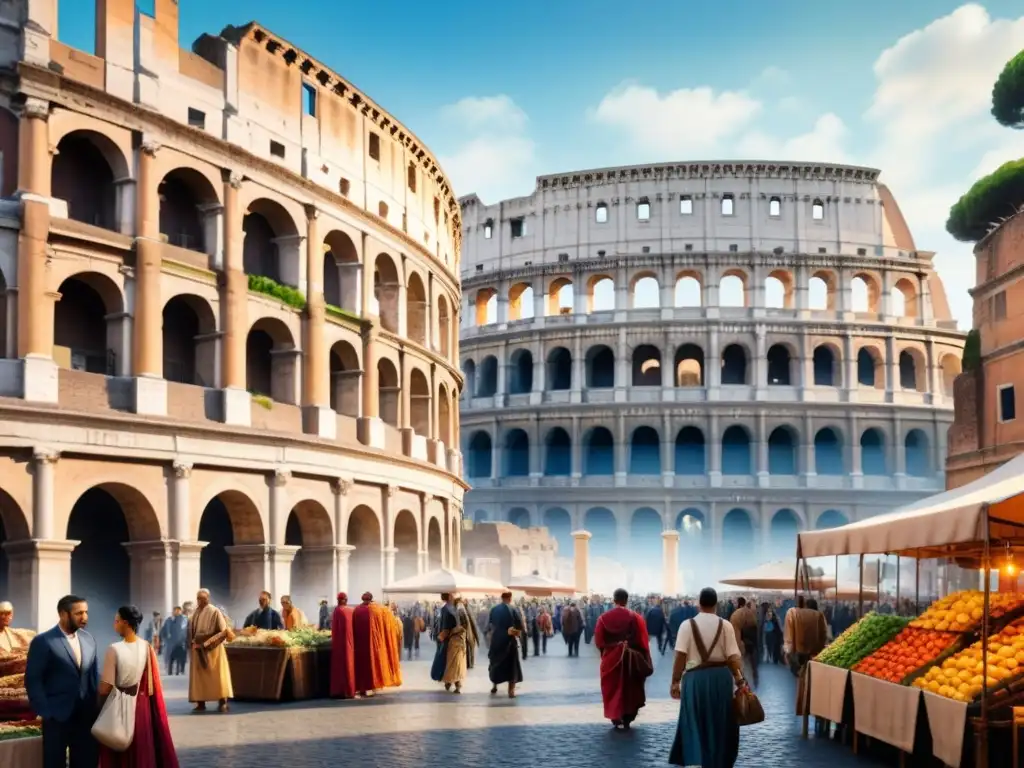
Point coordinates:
[(115, 726)]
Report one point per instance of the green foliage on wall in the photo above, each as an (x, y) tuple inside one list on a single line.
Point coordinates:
[(283, 293), (971, 360)]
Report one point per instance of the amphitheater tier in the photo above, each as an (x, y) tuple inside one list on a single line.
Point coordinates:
[(732, 352), (228, 337)]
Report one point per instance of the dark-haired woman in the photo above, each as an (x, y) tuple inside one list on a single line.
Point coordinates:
[(131, 666)]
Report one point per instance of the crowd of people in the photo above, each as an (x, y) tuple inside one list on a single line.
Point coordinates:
[(717, 647)]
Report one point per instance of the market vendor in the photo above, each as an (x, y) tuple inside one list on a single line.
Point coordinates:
[(264, 617), (12, 639), (292, 616)]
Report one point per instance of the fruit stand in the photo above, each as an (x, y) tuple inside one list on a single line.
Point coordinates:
[(21, 743), (279, 665), (958, 662)]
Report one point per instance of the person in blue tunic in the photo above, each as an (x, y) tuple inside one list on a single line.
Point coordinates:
[(707, 665), (506, 626), (264, 617)]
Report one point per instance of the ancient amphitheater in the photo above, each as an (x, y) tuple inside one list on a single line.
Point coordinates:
[(692, 361), (229, 335)]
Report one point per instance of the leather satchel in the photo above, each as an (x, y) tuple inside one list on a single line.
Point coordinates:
[(747, 708)]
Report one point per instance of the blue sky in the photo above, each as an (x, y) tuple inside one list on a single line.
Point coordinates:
[(503, 93)]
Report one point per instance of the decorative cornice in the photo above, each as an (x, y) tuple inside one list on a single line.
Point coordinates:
[(340, 486), (36, 108)]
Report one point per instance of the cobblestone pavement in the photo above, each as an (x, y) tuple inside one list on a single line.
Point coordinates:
[(560, 703)]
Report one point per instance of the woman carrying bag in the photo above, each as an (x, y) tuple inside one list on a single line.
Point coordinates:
[(132, 728)]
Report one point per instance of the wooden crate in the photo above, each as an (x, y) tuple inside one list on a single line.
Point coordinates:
[(257, 673)]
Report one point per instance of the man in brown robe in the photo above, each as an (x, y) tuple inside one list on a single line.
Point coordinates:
[(209, 675), (377, 661), (744, 622), (343, 671)]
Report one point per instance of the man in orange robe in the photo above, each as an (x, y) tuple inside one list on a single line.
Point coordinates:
[(343, 657), (377, 663)]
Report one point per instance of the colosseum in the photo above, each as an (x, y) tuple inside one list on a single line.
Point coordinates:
[(229, 335), (679, 366)]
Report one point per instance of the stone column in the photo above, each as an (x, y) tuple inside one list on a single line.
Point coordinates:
[(278, 511), (714, 452), (250, 574), (581, 559), (279, 562), (319, 419), (369, 426), (39, 575), (149, 387), (763, 464), (237, 403), (35, 297), (423, 563), (184, 553), (856, 455), (389, 565), (670, 558), (44, 461), (150, 575), (341, 577)]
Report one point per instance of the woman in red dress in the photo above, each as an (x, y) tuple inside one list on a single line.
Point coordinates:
[(151, 746)]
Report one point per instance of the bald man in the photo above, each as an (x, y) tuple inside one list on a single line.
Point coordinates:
[(209, 674), (11, 639)]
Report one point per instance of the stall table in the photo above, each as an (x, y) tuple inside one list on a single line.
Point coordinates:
[(886, 711), (828, 691), (22, 753)]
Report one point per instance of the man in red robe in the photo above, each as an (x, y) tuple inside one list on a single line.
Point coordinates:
[(343, 656), (621, 637), (376, 650)]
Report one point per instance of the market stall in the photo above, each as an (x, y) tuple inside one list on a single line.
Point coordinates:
[(21, 744), (779, 575), (444, 580), (535, 585), (279, 665), (969, 636)]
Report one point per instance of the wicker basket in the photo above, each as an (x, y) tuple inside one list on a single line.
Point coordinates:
[(257, 673)]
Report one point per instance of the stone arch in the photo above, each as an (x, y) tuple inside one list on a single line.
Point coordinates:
[(783, 530), (341, 271), (487, 377), (951, 367), (689, 366), (85, 172), (732, 289), (309, 527), (271, 242), (559, 524), (913, 370), (520, 302), (189, 340), (646, 366), (645, 451), (828, 452), (434, 548), (389, 391), (419, 403), (188, 205), (416, 310), (645, 291), (600, 293), (872, 452), (346, 376), (600, 365), (734, 365), (231, 562), (517, 453), (736, 454), (481, 455), (870, 367), (918, 456), (469, 378), (486, 306), (386, 290), (406, 537), (830, 518), (821, 291), (87, 322), (690, 451), (603, 527), (364, 535), (738, 530), (782, 451), (904, 298), (270, 360), (559, 369), (599, 452), (694, 556), (645, 527), (520, 517), (688, 290), (557, 453), (445, 429), (781, 363), (14, 526), (561, 297), (480, 516), (865, 292), (520, 378), (779, 289), (444, 327), (826, 363)]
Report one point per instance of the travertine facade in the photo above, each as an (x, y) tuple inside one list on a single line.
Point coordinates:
[(729, 350), (986, 431), (229, 340)]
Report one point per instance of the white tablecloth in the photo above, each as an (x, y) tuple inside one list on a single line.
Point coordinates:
[(22, 753), (828, 691), (886, 711), (947, 720)]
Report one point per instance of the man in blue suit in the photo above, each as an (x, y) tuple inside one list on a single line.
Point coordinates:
[(62, 678)]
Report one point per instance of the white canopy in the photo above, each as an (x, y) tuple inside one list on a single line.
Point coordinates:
[(780, 574), (936, 524), (536, 584), (444, 580)]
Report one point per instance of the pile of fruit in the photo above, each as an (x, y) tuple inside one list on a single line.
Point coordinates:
[(960, 677), (20, 729), (862, 639), (306, 637), (962, 611), (14, 704), (910, 650)]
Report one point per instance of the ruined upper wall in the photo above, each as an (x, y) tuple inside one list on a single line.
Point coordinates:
[(249, 87)]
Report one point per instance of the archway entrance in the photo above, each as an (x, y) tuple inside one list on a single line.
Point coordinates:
[(232, 565), (364, 567), (309, 528), (407, 544), (434, 551)]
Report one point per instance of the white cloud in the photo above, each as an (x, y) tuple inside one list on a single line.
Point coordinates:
[(823, 143), (679, 123), (493, 166), (476, 113)]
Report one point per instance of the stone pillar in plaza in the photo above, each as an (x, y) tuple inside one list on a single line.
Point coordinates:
[(35, 296), (149, 388), (320, 420), (237, 402), (670, 558), (581, 559)]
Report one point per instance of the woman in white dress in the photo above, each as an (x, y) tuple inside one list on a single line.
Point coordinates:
[(131, 666)]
